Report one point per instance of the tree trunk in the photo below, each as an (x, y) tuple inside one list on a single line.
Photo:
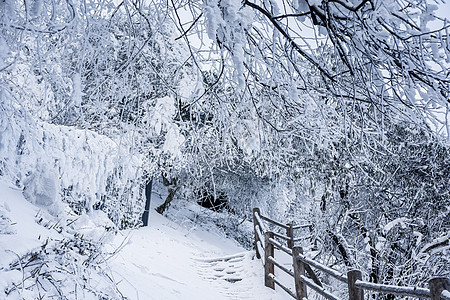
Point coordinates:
[(162, 208)]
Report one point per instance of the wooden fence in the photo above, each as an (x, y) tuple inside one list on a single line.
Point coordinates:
[(304, 276)]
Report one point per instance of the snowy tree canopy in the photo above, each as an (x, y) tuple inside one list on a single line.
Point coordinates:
[(375, 56)]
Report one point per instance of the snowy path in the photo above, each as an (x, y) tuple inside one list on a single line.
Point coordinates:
[(166, 261), (235, 276)]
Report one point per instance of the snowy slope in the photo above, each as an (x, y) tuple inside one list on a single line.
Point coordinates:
[(19, 231), (162, 261)]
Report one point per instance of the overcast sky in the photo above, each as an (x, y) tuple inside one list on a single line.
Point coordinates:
[(444, 10)]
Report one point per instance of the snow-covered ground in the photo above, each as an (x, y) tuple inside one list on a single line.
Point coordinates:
[(166, 260)]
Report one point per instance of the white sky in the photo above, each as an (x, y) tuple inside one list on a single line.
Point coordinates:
[(444, 10)]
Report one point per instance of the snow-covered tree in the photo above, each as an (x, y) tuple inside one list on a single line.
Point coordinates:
[(324, 94), (392, 55), (108, 68)]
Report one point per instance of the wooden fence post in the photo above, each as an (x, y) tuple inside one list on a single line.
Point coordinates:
[(437, 285), (299, 269), (290, 235), (354, 293), (269, 267), (255, 223)]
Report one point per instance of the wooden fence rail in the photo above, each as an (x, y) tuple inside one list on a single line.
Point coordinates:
[(305, 277)]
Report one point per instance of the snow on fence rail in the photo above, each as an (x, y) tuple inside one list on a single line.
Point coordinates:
[(304, 276)]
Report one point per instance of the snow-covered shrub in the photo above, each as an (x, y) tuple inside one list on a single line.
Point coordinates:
[(5, 222), (70, 268), (42, 189), (59, 164)]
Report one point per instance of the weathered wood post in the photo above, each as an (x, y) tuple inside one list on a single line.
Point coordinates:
[(148, 197), (255, 223), (437, 285), (290, 235), (299, 269), (354, 293), (269, 267)]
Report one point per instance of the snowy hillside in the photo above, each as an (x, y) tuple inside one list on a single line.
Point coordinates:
[(162, 261)]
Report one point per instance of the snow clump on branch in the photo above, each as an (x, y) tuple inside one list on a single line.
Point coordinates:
[(226, 22)]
